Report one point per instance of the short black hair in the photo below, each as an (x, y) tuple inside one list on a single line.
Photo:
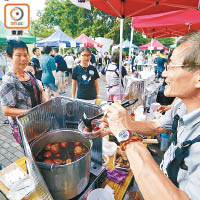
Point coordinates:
[(34, 49), (84, 49), (115, 56), (14, 44), (162, 51), (56, 50), (47, 50)]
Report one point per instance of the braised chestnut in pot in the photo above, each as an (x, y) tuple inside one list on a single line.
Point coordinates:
[(77, 143), (68, 160), (48, 147), (78, 150), (63, 144), (57, 155), (48, 161), (64, 152), (47, 154), (55, 148)]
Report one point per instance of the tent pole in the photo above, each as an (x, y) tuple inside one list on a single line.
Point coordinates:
[(120, 56), (151, 43), (131, 41)]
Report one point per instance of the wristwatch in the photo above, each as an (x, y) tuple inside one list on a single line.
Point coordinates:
[(123, 135)]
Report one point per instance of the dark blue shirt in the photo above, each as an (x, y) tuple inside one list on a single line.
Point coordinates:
[(61, 64), (160, 63), (85, 78)]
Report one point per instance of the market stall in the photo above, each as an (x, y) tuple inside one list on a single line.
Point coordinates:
[(53, 121)]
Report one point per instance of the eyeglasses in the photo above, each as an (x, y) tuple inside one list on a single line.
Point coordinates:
[(172, 67), (85, 55), (187, 67)]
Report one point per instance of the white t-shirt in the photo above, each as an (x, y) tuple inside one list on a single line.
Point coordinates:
[(70, 61)]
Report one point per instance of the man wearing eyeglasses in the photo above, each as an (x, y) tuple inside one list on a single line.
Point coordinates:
[(179, 174)]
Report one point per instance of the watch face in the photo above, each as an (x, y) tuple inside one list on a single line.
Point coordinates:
[(124, 135)]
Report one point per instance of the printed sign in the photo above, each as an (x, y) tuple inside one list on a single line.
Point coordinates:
[(16, 16)]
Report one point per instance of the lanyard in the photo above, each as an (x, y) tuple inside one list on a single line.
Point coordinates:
[(34, 88)]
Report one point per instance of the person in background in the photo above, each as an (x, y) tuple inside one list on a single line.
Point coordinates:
[(19, 91), (3, 62), (99, 61), (49, 76), (161, 62), (93, 59), (106, 59), (70, 65), (111, 72), (85, 78), (139, 61), (179, 174), (61, 69), (76, 59), (1, 76), (133, 61), (31, 68), (35, 60)]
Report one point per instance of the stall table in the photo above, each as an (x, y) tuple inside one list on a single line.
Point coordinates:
[(119, 189)]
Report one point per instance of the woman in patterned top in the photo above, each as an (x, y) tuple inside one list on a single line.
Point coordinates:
[(19, 90)]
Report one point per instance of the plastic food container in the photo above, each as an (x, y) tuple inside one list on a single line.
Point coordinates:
[(100, 194), (105, 159), (109, 148), (121, 161), (92, 134)]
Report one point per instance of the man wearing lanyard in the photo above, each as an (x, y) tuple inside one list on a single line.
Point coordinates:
[(179, 174)]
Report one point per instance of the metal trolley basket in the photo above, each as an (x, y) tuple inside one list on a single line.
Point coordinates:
[(58, 113)]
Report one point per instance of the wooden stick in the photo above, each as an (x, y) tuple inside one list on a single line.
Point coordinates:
[(150, 141)]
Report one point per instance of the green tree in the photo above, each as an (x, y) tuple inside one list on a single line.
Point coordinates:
[(74, 20)]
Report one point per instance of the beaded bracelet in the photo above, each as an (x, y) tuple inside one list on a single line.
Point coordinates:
[(134, 139)]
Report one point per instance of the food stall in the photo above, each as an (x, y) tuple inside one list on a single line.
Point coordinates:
[(57, 121)]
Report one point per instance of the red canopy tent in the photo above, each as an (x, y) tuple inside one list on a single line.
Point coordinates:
[(88, 42), (153, 45), (169, 24), (130, 8)]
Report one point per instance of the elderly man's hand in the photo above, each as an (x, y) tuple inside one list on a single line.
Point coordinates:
[(105, 130), (117, 118)]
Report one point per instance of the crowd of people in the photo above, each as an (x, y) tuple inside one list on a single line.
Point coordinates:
[(53, 72)]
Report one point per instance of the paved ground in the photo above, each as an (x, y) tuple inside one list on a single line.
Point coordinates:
[(10, 150)]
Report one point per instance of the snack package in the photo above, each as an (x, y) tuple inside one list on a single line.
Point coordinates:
[(121, 161), (19, 184)]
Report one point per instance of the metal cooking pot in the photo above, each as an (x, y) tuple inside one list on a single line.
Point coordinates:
[(69, 180)]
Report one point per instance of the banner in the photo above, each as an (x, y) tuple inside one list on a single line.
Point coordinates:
[(82, 3)]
